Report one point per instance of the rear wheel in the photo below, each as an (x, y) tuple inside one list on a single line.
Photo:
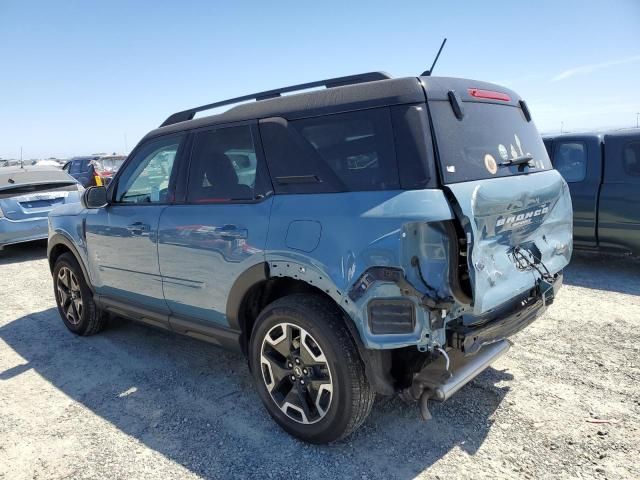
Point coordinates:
[(307, 369), (74, 298)]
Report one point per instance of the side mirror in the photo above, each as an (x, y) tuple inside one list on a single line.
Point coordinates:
[(94, 197)]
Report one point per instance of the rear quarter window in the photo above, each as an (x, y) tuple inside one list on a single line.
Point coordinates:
[(334, 153), (357, 147)]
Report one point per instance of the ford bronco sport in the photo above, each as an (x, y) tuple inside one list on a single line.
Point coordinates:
[(376, 236)]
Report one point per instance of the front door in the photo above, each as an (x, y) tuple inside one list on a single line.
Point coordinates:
[(122, 237), (220, 229)]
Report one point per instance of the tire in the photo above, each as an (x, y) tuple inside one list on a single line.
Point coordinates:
[(333, 410), (74, 298)]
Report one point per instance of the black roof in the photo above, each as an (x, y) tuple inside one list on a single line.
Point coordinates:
[(335, 99), (343, 94)]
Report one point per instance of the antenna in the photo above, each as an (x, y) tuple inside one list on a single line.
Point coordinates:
[(427, 73)]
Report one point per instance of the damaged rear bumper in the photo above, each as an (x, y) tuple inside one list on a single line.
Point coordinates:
[(470, 339), (475, 348)]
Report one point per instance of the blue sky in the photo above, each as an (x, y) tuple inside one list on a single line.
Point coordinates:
[(78, 76)]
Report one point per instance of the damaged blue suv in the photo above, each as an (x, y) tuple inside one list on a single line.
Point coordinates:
[(377, 236)]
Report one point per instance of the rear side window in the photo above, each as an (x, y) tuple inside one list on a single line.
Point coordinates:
[(334, 153), (357, 147), (570, 160), (631, 159), (223, 166)]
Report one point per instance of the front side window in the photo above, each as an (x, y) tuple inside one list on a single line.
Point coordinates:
[(570, 160), (223, 166), (146, 179), (631, 159)]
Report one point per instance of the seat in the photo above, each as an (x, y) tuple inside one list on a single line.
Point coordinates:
[(221, 181)]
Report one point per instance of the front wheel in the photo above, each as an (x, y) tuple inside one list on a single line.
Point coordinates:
[(74, 298), (307, 369)]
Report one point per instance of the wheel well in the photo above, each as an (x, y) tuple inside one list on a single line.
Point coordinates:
[(262, 294), (377, 362), (55, 253)]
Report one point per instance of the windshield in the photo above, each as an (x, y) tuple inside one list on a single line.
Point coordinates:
[(490, 141)]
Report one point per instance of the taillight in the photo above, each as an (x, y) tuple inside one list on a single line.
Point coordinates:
[(488, 94)]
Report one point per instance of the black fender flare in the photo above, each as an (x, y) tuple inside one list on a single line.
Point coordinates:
[(61, 239), (249, 278)]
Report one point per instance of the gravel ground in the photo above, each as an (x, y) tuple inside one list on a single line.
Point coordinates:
[(134, 402)]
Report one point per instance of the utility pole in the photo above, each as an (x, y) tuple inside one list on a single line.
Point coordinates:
[(21, 164), (561, 127), (637, 118)]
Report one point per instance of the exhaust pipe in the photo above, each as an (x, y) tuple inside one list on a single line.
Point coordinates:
[(432, 384), (468, 368)]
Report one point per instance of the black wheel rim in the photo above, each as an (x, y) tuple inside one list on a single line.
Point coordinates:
[(69, 295), (296, 373)]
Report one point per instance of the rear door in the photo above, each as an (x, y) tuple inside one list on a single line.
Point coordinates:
[(619, 220), (506, 195), (579, 161), (218, 229)]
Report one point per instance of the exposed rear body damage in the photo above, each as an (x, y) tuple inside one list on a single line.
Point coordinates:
[(518, 227)]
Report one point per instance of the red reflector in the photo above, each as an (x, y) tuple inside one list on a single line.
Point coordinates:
[(491, 95)]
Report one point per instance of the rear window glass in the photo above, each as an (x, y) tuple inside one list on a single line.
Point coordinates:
[(357, 147), (44, 187), (570, 160), (481, 144), (631, 158), (79, 166)]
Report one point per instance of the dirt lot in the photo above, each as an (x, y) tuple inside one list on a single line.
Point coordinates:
[(138, 403)]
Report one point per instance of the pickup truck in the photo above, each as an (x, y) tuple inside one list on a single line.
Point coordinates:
[(603, 174)]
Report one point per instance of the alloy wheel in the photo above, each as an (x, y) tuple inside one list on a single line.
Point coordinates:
[(296, 373), (69, 295)]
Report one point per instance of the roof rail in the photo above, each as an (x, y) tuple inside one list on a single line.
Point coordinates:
[(329, 83)]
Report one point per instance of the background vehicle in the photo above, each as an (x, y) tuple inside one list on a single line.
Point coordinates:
[(27, 195), (319, 234), (603, 173), (94, 170)]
